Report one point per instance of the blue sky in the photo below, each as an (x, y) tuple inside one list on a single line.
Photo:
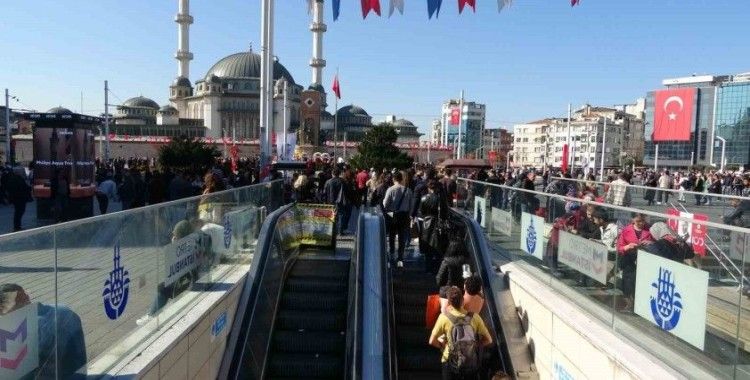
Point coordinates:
[(525, 63)]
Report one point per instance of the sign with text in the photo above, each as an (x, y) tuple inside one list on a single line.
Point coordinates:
[(698, 234), (532, 235), (19, 343), (220, 323), (673, 223), (181, 257), (673, 296), (502, 221), (480, 209), (585, 256), (317, 224)]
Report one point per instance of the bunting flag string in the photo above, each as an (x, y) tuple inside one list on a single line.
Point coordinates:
[(501, 4), (433, 7), (396, 4), (463, 3), (336, 6), (370, 5)]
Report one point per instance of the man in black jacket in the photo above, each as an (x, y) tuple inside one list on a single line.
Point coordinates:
[(18, 194)]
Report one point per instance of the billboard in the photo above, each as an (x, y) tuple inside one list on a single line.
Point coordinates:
[(64, 150)]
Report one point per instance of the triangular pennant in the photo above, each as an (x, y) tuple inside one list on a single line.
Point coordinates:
[(336, 6), (501, 4), (370, 5), (433, 7), (462, 3), (396, 4), (573, 3)]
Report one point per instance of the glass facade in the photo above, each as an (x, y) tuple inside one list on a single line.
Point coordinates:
[(733, 123), (680, 152)]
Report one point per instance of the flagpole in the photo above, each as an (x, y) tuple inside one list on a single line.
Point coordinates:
[(459, 153), (335, 119), (570, 161), (286, 108)]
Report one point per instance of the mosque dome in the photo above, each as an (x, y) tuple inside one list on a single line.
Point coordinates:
[(352, 110), (317, 87), (60, 110), (141, 102), (168, 109), (245, 65), (403, 123)]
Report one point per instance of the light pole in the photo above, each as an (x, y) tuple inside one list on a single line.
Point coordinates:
[(8, 157), (723, 151)]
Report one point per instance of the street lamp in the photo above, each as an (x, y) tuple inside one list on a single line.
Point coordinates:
[(723, 151)]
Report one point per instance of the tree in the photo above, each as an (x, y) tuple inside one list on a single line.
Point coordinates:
[(377, 150), (186, 153)]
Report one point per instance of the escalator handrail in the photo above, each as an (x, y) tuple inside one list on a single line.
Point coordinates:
[(353, 359), (390, 365), (485, 269), (233, 356)]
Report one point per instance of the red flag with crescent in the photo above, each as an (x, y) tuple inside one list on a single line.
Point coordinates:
[(336, 87), (673, 114), (463, 3), (370, 5), (564, 165)]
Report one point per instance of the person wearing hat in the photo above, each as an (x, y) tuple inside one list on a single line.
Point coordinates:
[(667, 245)]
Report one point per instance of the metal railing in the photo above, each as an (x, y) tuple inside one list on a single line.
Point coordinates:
[(606, 285)]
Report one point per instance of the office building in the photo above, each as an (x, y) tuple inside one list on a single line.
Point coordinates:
[(470, 122)]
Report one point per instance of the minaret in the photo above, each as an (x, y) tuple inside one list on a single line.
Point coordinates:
[(317, 27), (183, 55)]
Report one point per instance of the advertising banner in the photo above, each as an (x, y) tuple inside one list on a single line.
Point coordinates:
[(673, 114), (19, 342), (532, 235), (673, 296), (698, 235), (238, 232), (182, 256), (740, 243), (683, 226), (502, 221), (585, 256), (317, 224), (480, 208), (673, 223), (455, 116)]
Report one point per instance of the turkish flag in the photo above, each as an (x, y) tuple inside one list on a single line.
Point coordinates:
[(370, 5), (564, 165), (673, 114), (336, 87), (455, 116)]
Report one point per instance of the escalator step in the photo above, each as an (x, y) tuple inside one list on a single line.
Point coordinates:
[(408, 337), (332, 302), (413, 299), (315, 285), (313, 342), (310, 321), (321, 268), (410, 318), (425, 358), (307, 366)]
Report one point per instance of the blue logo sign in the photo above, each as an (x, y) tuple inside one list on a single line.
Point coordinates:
[(219, 324), (531, 236), (21, 332), (227, 232), (667, 305), (116, 288)]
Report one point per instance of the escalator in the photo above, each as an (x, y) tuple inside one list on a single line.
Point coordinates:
[(416, 359), (309, 337), (411, 357), (299, 315)]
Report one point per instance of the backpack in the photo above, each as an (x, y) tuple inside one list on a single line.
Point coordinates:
[(463, 354)]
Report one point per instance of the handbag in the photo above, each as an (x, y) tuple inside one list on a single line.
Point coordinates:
[(432, 311)]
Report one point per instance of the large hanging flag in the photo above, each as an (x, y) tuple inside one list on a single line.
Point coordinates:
[(673, 114), (396, 4), (573, 3), (462, 3), (336, 87), (336, 5), (370, 5), (503, 3), (433, 7)]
